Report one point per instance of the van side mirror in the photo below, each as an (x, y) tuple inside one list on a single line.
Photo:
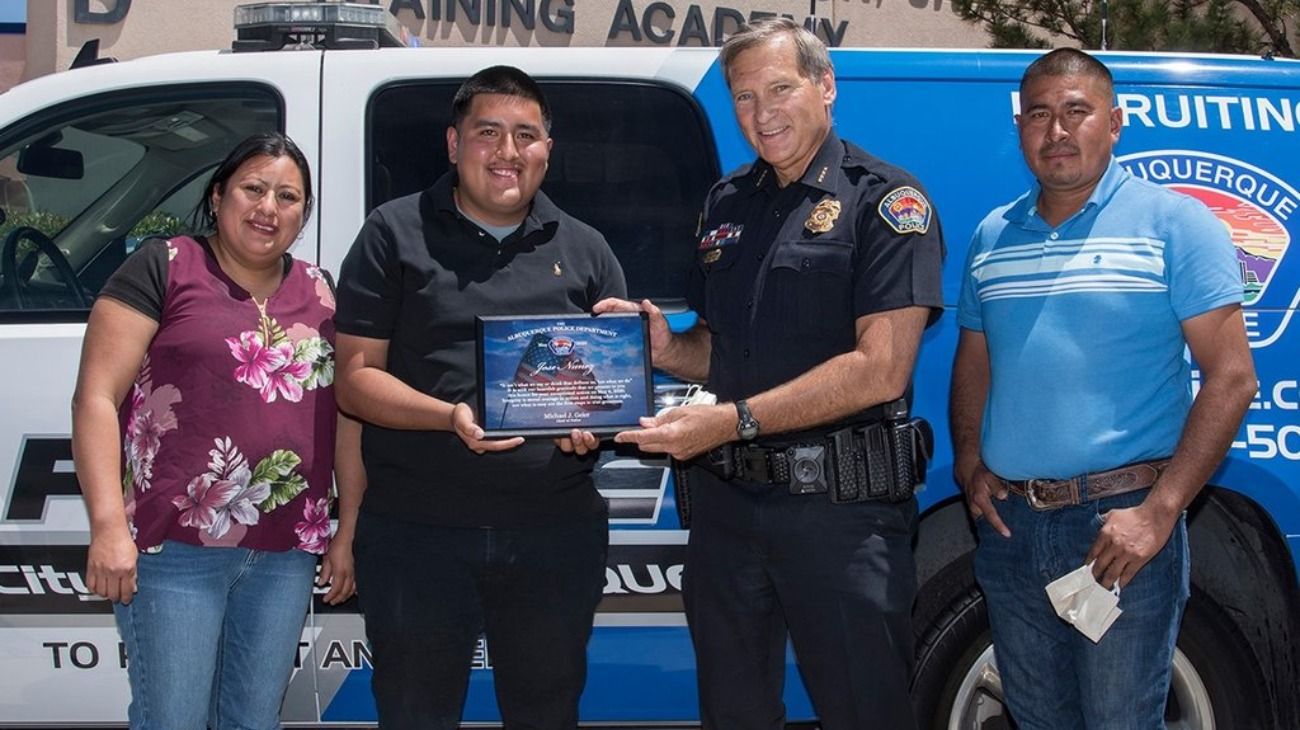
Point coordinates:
[(43, 161)]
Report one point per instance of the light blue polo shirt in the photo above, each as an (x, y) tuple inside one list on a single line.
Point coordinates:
[(1087, 357)]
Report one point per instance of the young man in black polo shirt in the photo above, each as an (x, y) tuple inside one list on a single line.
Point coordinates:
[(460, 534)]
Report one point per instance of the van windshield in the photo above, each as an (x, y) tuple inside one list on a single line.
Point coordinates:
[(83, 184)]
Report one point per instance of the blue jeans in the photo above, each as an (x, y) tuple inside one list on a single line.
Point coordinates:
[(428, 592), (212, 634), (1055, 678)]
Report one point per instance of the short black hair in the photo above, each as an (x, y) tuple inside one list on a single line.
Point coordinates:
[(506, 80), (271, 144), (1068, 62)]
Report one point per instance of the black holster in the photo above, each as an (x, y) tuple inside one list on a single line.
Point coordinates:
[(882, 461)]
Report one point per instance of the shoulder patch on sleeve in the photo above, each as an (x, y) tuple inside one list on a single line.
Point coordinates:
[(906, 210)]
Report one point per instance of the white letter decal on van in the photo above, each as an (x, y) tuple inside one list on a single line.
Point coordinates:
[(1136, 106), (1184, 112)]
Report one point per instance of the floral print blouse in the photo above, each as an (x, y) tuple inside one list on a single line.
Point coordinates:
[(228, 431)]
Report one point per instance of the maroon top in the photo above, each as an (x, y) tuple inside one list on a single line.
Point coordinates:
[(229, 428)]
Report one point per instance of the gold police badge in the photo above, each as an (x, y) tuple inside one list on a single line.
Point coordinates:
[(822, 218)]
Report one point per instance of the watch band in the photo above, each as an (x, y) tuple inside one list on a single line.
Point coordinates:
[(746, 424)]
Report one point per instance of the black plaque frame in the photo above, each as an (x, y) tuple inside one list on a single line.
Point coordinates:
[(501, 340)]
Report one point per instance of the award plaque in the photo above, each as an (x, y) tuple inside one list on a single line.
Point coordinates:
[(546, 375)]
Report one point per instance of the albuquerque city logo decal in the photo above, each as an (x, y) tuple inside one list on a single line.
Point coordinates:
[(1258, 208)]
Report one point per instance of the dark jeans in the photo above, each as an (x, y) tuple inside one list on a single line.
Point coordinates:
[(1055, 677), (428, 592), (841, 578)]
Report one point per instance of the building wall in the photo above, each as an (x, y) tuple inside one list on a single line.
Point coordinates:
[(128, 29), (44, 21), (912, 23), (13, 58)]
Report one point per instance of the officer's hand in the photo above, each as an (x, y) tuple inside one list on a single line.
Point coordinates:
[(462, 423), (578, 442), (980, 487), (110, 565), (684, 432), (1127, 542), (660, 334)]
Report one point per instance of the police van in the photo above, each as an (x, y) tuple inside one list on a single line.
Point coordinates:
[(95, 160)]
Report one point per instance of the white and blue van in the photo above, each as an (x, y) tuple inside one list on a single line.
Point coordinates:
[(96, 159)]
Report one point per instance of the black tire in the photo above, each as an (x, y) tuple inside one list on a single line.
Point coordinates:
[(1222, 672), (1233, 677), (949, 647)]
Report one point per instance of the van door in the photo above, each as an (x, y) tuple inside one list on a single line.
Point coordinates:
[(92, 162)]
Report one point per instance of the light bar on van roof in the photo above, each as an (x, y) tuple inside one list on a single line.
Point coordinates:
[(310, 14), (272, 25)]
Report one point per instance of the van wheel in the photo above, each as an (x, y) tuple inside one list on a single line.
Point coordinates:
[(1215, 686)]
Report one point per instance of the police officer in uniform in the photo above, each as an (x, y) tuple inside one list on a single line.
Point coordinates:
[(818, 268)]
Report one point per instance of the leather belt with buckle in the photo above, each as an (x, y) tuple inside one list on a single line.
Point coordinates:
[(1045, 494)]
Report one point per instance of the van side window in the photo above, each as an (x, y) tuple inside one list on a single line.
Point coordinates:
[(634, 160), (81, 184)]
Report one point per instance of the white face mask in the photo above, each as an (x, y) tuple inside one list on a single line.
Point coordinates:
[(1080, 600)]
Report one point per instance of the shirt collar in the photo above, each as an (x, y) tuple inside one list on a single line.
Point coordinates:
[(820, 173), (541, 213), (1111, 180)]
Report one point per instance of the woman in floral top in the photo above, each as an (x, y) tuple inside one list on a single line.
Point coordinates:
[(204, 432)]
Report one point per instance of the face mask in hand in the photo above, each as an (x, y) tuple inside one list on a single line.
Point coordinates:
[(1080, 600)]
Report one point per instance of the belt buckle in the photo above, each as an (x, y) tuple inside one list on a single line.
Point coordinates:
[(1031, 495)]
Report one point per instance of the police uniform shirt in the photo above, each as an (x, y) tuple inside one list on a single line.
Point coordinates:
[(417, 275), (783, 274)]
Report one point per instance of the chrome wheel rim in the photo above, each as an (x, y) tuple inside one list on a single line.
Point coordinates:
[(978, 704)]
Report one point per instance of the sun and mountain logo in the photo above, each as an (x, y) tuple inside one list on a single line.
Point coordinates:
[(1258, 208)]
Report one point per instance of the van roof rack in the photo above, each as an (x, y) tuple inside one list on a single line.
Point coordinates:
[(271, 26)]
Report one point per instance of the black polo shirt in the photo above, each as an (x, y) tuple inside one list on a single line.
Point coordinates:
[(783, 274), (417, 275)]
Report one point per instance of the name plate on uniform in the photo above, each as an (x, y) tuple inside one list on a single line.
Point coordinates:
[(546, 375)]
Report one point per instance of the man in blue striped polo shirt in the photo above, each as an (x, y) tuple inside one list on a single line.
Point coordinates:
[(1076, 439)]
